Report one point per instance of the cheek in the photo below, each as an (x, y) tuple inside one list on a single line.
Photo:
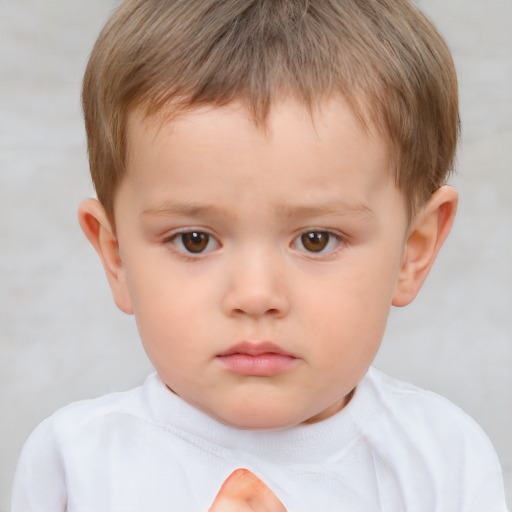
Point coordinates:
[(165, 317), (157, 284), (351, 306), (163, 304), (360, 290), (171, 334)]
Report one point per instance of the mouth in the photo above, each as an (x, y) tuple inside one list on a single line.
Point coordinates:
[(257, 359)]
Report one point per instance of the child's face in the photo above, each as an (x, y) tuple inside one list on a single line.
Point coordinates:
[(260, 266)]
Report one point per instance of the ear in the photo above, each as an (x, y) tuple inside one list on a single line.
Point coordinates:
[(426, 235), (97, 228)]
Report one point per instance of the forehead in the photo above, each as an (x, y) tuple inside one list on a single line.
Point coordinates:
[(211, 129), (296, 152), (216, 163)]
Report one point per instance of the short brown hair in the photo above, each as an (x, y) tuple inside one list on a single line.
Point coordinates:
[(384, 56)]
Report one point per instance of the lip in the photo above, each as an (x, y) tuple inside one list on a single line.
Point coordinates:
[(255, 349), (257, 359)]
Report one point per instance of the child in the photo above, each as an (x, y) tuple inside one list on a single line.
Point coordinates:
[(271, 179)]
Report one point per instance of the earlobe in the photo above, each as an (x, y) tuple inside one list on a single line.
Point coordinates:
[(427, 234), (99, 231)]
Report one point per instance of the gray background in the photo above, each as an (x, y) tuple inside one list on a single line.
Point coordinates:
[(61, 337)]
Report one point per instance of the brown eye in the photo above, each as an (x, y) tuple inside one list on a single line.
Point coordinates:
[(194, 242), (315, 241)]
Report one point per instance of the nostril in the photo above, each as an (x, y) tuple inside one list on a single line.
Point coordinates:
[(257, 312), (255, 297)]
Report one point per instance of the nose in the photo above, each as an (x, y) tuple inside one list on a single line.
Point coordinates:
[(255, 287)]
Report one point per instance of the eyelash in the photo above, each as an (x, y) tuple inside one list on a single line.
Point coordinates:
[(315, 235), (332, 238), (177, 240)]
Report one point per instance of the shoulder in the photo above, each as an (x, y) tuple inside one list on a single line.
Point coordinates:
[(75, 445), (421, 414), (431, 422), (84, 417), (71, 437), (429, 442)]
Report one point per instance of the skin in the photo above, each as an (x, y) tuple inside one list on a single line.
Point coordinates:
[(252, 194), (243, 491)]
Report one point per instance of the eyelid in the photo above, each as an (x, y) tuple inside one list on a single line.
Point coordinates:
[(169, 239), (340, 241)]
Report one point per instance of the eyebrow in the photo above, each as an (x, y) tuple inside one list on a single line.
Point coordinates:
[(177, 207), (334, 207), (358, 210)]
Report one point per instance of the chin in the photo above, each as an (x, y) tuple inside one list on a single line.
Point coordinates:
[(260, 424), (262, 420)]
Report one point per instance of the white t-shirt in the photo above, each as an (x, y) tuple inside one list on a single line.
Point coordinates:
[(393, 448)]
